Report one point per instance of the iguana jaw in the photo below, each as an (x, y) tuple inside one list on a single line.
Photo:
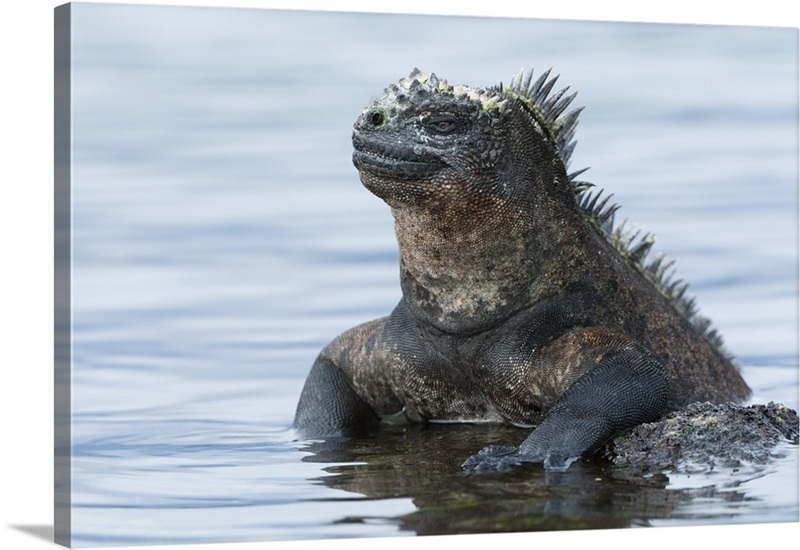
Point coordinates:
[(403, 175), (384, 159)]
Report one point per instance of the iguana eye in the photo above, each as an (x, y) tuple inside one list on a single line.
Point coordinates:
[(377, 118), (442, 124)]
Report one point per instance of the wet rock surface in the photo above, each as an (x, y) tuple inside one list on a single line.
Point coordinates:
[(706, 437)]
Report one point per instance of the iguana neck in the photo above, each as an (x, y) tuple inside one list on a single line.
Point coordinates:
[(464, 267)]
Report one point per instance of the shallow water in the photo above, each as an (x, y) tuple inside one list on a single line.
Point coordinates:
[(221, 238)]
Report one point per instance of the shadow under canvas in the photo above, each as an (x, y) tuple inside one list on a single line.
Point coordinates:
[(44, 532)]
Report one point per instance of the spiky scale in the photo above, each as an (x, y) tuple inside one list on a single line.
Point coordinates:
[(638, 252), (536, 87), (559, 107), (542, 93), (599, 207), (569, 121), (572, 175), (524, 81)]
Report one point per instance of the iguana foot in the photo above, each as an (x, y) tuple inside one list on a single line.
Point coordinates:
[(502, 458), (495, 458)]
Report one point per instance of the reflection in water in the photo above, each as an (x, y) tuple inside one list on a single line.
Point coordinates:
[(422, 463)]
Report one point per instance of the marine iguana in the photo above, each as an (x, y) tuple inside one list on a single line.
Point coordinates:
[(521, 301)]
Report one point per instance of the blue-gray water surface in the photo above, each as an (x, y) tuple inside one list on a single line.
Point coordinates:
[(221, 237)]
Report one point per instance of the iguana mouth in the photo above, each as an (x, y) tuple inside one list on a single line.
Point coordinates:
[(381, 158)]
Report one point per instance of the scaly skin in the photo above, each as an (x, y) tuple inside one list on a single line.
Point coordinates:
[(518, 305)]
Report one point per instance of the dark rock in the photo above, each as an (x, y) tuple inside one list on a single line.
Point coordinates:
[(704, 437)]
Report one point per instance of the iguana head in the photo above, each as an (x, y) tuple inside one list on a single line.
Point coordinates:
[(425, 140)]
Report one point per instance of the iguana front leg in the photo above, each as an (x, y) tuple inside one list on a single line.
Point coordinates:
[(343, 391), (329, 406), (627, 387)]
